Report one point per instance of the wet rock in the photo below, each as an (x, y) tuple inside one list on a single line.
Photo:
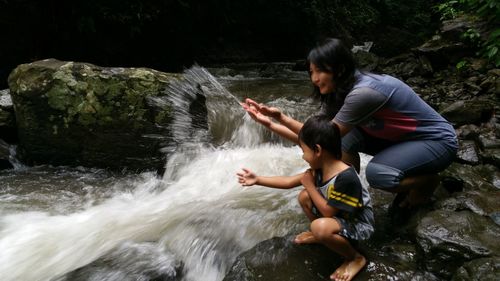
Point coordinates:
[(485, 269), (448, 239), (491, 156), (488, 141), (141, 261), (441, 52), (468, 153), (7, 118), (468, 132), (480, 177), (454, 29), (406, 66), (469, 111), (71, 113), (367, 60), (383, 272), (4, 155), (479, 202), (280, 259)]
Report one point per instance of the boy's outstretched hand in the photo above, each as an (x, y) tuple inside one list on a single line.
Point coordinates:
[(247, 177)]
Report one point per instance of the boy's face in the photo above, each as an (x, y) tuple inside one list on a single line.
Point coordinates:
[(310, 156)]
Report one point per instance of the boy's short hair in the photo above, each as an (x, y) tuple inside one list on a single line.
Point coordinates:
[(319, 129)]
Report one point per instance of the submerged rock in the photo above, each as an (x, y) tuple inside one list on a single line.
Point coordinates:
[(71, 113)]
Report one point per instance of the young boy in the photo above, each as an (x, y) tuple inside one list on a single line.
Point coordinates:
[(333, 197)]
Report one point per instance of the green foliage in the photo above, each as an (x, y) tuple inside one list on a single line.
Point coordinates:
[(491, 46), (486, 10), (462, 64), (448, 9)]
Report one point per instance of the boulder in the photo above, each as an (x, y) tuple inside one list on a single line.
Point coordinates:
[(280, 259), (448, 239), (71, 113), (469, 111)]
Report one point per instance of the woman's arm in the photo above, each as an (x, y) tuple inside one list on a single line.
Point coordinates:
[(287, 127), (319, 201), (248, 178)]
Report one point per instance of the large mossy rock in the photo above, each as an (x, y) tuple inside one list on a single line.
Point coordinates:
[(71, 113)]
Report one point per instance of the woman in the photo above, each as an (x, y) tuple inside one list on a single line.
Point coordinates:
[(378, 115)]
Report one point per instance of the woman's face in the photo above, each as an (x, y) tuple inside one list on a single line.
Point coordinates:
[(321, 79)]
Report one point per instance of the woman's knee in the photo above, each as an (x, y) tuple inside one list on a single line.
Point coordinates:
[(382, 176)]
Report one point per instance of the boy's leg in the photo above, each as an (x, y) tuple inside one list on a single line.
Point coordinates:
[(305, 202), (325, 231)]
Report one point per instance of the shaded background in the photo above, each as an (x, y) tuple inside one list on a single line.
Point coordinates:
[(169, 35)]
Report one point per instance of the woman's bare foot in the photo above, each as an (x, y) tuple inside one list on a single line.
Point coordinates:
[(349, 269), (305, 237)]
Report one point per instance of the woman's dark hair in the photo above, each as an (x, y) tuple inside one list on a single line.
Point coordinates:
[(319, 129), (332, 55)]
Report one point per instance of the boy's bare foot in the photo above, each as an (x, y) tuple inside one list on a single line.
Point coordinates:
[(349, 269), (305, 237), (339, 271)]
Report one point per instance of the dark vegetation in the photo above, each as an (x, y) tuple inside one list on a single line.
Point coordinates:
[(169, 35)]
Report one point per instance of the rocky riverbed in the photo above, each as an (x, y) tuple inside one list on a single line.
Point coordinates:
[(454, 238)]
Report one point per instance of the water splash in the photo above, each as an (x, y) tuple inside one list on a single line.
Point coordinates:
[(201, 217), (196, 215)]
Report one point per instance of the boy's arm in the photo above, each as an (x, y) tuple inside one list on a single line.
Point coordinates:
[(281, 182), (248, 178), (319, 201)]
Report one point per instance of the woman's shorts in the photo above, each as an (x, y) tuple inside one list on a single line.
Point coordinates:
[(393, 161)]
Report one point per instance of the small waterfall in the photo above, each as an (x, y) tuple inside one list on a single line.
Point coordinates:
[(189, 225)]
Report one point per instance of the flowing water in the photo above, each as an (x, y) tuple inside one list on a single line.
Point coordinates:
[(60, 223)]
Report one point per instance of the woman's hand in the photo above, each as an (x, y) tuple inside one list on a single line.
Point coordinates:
[(257, 115), (247, 177), (287, 127), (272, 112), (261, 112)]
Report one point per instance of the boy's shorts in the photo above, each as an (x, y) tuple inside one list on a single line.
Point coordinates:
[(358, 228)]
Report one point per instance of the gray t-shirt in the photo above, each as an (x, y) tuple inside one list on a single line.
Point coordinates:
[(344, 191), (385, 107)]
